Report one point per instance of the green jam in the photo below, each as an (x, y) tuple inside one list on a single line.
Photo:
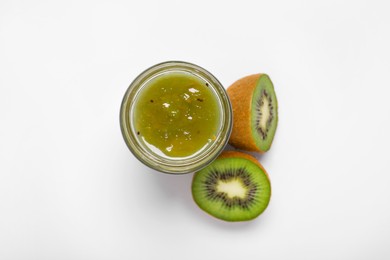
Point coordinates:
[(177, 113)]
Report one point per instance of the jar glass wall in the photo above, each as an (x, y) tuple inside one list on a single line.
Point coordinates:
[(132, 111)]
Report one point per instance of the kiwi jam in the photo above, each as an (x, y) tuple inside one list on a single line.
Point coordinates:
[(177, 114)]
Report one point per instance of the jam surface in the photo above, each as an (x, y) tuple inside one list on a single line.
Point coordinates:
[(177, 114)]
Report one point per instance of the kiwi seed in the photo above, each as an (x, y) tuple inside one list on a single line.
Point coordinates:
[(235, 187)]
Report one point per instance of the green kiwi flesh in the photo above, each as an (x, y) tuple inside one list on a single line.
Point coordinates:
[(264, 118), (232, 189)]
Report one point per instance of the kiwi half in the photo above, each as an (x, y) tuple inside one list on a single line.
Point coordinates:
[(255, 113), (235, 187)]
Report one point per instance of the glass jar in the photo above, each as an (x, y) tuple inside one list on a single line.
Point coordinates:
[(161, 162)]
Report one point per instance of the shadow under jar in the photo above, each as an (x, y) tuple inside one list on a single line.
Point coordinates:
[(176, 117)]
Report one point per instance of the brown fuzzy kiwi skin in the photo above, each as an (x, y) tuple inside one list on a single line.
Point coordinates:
[(240, 94)]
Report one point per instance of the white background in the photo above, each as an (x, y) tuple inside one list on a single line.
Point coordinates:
[(70, 188)]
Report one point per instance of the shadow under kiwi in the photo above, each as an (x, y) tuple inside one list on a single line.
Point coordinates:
[(240, 226), (177, 188), (171, 188)]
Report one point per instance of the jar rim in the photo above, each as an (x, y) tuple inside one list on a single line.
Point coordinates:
[(178, 165)]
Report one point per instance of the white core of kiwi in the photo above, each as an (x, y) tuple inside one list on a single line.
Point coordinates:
[(265, 113), (232, 188)]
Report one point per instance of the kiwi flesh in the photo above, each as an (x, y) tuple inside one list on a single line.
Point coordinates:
[(255, 113), (234, 187)]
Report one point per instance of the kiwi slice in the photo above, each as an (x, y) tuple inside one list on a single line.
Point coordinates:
[(235, 187), (255, 113)]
